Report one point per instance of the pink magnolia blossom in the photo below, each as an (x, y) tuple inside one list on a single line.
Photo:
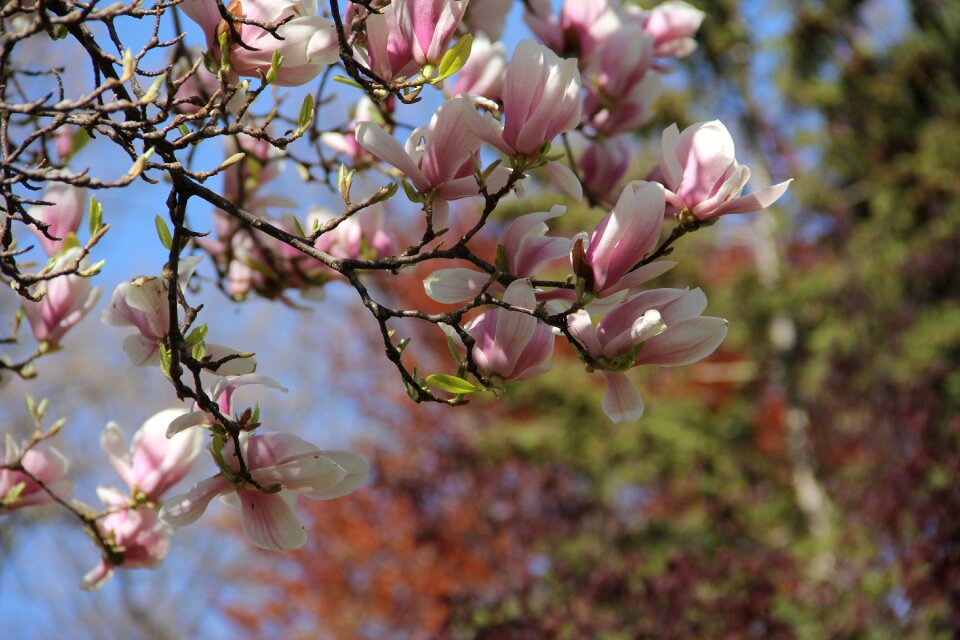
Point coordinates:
[(621, 240), (360, 235), (484, 71), (487, 17), (527, 249), (429, 25), (136, 532), (673, 25), (68, 299), (242, 181), (541, 100), (45, 463), (63, 214), (63, 142), (603, 165), (437, 158), (308, 46), (580, 26), (657, 327), (703, 176), (389, 49), (623, 83), (221, 392), (509, 344), (142, 303), (283, 463), (154, 463)]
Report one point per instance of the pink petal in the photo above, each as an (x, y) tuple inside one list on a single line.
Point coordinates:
[(186, 508), (270, 523), (114, 444), (622, 402), (451, 286), (382, 145), (669, 162), (754, 201), (684, 343), (581, 326), (565, 179)]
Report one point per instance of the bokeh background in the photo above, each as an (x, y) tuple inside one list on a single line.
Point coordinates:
[(800, 483)]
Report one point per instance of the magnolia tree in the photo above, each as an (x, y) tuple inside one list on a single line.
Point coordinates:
[(592, 75)]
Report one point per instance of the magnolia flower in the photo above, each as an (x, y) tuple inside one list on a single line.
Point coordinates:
[(143, 303), (703, 176), (658, 327), (308, 45), (135, 532), (260, 165), (482, 75), (623, 86), (672, 25), (580, 26), (438, 159), (68, 299), (154, 462), (358, 235), (428, 25), (603, 165), (632, 111), (63, 214), (541, 100), (509, 344), (389, 48), (283, 464), (17, 489), (487, 17), (222, 393), (64, 142), (527, 249), (621, 240)]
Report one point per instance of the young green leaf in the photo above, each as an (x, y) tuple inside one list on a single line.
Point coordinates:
[(197, 335), (455, 57), (451, 384), (96, 215), (306, 114), (347, 81), (164, 232)]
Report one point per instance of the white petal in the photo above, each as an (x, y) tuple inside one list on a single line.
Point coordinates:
[(356, 469), (186, 508), (450, 286), (114, 443), (566, 179)]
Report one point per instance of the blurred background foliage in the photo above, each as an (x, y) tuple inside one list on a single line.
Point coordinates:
[(801, 483)]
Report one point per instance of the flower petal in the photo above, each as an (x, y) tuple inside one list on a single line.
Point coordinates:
[(450, 286), (622, 402), (386, 148), (356, 469), (754, 201), (270, 523), (186, 508), (566, 179), (684, 343)]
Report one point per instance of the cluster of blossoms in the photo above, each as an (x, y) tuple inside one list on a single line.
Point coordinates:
[(595, 73)]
